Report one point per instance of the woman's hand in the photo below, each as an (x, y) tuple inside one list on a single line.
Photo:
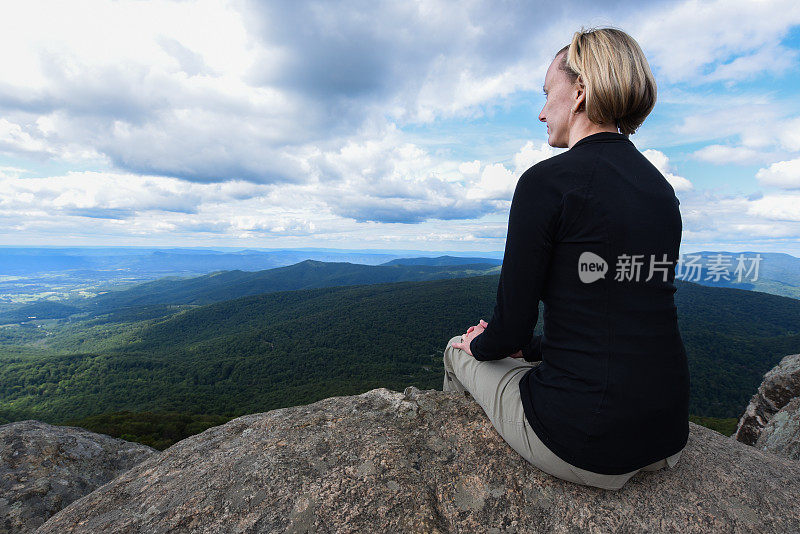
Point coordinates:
[(481, 323), (472, 333)]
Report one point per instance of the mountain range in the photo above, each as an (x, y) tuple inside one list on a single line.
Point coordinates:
[(205, 347)]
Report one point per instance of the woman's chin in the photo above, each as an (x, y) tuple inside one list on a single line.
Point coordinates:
[(554, 142)]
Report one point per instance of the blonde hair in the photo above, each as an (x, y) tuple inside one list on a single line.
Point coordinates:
[(619, 85)]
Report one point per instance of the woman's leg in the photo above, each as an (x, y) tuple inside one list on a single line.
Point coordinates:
[(495, 387), (451, 382)]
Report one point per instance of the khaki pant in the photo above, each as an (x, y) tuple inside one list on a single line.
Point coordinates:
[(495, 387)]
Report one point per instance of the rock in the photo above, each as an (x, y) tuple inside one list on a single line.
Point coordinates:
[(780, 385), (45, 467), (420, 461), (782, 433)]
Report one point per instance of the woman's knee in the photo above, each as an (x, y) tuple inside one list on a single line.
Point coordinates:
[(454, 339), (450, 350)]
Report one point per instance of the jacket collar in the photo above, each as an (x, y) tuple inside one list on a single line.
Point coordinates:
[(602, 137)]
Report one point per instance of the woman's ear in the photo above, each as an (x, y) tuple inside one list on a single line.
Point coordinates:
[(579, 92)]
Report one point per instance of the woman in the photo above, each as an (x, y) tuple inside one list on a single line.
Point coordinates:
[(593, 233)]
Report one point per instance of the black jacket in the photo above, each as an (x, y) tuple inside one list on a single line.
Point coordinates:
[(611, 393)]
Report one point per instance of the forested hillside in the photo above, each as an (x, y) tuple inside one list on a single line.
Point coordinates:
[(308, 274), (226, 285), (261, 352)]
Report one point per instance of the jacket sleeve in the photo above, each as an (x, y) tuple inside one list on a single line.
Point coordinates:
[(532, 352), (532, 220)]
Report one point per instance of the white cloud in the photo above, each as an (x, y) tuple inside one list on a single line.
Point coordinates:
[(529, 155), (496, 182), (764, 223), (249, 119), (725, 154), (780, 207), (470, 168), (764, 230), (738, 38), (661, 162), (771, 58), (384, 181), (13, 138), (789, 134), (754, 123), (766, 132), (98, 193), (246, 90), (783, 174)]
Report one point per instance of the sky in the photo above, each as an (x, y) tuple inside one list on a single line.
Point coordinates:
[(380, 125)]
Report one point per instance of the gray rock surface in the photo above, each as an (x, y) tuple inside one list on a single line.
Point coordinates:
[(420, 461), (782, 433), (45, 467), (780, 385)]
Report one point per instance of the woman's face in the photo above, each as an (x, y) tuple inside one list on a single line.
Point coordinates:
[(557, 110)]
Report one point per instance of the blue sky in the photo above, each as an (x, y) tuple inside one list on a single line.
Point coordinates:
[(388, 125)]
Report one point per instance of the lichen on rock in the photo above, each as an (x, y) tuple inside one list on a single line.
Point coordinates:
[(44, 467), (771, 421)]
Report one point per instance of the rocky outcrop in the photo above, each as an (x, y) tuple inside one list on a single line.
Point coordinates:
[(782, 433), (420, 461), (45, 467), (780, 386)]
